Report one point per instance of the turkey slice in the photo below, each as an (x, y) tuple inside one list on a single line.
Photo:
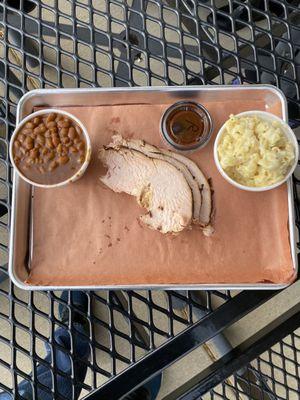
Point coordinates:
[(154, 152), (157, 185), (205, 211)]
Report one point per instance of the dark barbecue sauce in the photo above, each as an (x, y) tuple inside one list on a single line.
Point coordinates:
[(185, 126)]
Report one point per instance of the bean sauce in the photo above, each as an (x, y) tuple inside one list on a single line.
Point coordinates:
[(49, 149)]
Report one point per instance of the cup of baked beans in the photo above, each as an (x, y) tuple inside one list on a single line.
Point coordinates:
[(50, 148)]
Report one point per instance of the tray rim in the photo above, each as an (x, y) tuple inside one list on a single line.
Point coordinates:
[(249, 286)]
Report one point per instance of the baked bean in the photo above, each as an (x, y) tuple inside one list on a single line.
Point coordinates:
[(52, 166), (72, 133), (36, 120), (80, 159), (40, 139), (42, 128), (44, 151), (27, 131), (51, 117), (16, 160), (63, 123), (21, 137), (28, 143), (42, 169), (49, 143), (29, 125), (59, 117), (53, 130), (59, 148), (77, 140), (47, 134), (64, 132), (51, 124), (63, 160), (22, 151), (56, 141)]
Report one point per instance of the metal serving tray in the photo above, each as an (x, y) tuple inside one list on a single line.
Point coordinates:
[(21, 216)]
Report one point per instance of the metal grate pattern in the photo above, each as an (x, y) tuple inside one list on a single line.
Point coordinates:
[(122, 328), (278, 370), (65, 43)]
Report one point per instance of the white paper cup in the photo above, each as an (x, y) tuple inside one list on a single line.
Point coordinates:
[(286, 130), (88, 153)]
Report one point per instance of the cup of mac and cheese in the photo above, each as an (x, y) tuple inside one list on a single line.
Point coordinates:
[(256, 151)]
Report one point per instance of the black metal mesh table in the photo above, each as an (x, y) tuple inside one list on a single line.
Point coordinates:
[(63, 43)]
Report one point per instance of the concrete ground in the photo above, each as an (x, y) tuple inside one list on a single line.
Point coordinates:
[(192, 364)]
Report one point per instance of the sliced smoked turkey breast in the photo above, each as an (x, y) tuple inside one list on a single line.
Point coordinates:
[(154, 152), (157, 185), (202, 198)]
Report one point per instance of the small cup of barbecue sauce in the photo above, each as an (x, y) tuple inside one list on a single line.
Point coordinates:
[(186, 126)]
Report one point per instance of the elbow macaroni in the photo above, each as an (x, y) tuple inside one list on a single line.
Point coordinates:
[(255, 152)]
